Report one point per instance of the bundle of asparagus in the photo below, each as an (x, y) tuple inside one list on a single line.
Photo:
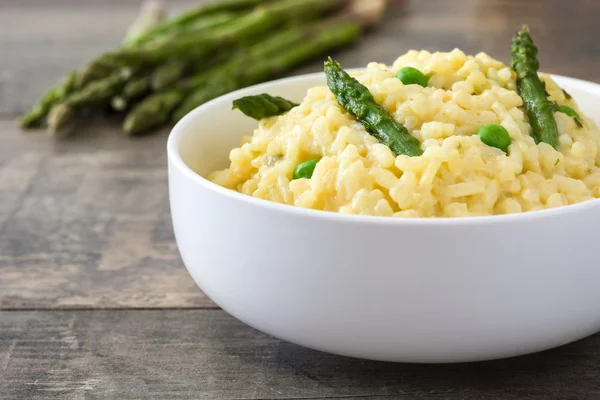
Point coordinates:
[(166, 67)]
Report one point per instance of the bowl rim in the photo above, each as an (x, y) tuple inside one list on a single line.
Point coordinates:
[(175, 160)]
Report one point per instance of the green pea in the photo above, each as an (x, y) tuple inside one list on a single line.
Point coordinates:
[(412, 76), (568, 110), (305, 169), (494, 135)]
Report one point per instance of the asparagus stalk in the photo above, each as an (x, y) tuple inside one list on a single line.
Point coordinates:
[(39, 111), (539, 109), (136, 87), (170, 73), (358, 101), (243, 29), (263, 105), (335, 35), (98, 92), (148, 112), (337, 31), (262, 61), (132, 90), (150, 12), (193, 15), (198, 27), (108, 86)]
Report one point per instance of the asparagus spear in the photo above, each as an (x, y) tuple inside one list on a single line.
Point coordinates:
[(150, 12), (244, 26), (329, 37), (171, 72), (98, 92), (263, 105), (193, 15), (132, 90), (40, 109), (136, 87), (267, 59), (167, 74), (148, 112), (539, 108), (358, 101), (337, 31), (241, 30)]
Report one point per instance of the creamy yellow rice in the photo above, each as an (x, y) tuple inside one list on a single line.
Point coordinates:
[(456, 176)]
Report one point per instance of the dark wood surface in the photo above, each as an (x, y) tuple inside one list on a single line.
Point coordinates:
[(96, 301)]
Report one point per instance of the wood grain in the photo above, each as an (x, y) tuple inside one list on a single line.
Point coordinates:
[(206, 354), (86, 223)]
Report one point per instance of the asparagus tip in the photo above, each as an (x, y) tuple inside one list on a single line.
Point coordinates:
[(58, 118), (25, 122), (330, 62), (129, 126)]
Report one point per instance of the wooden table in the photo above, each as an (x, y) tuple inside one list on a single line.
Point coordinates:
[(95, 302)]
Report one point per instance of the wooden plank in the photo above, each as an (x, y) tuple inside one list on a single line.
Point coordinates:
[(86, 223), (206, 354), (42, 40)]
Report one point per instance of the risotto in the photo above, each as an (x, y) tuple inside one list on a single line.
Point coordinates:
[(456, 176)]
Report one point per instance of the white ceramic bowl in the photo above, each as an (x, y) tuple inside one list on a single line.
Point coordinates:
[(414, 290)]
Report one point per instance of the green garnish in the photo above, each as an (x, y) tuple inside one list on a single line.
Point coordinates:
[(263, 106)]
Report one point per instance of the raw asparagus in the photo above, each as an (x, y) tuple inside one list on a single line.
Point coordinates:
[(42, 107), (318, 42), (356, 99), (134, 89), (172, 72), (243, 29), (263, 105), (150, 13), (262, 61), (168, 73), (153, 111), (539, 108), (187, 17), (98, 92), (244, 26)]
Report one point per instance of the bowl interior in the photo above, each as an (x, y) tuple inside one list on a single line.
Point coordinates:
[(207, 135)]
